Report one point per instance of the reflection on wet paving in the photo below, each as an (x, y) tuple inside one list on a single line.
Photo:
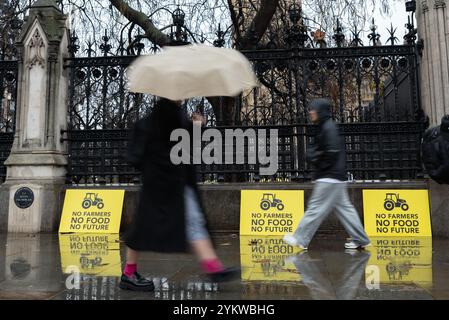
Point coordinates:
[(92, 287), (401, 260), (270, 260), (194, 290), (88, 267), (30, 267), (401, 263), (91, 254), (265, 259)]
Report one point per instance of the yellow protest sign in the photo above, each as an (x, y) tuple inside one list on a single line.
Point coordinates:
[(92, 254), (400, 260), (270, 212), (92, 211), (397, 213), (265, 258)]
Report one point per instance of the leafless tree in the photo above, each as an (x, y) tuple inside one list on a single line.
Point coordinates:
[(245, 24)]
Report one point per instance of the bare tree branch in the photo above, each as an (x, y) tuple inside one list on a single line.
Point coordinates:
[(235, 21), (260, 23)]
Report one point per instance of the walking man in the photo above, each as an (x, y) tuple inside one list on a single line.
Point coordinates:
[(328, 157)]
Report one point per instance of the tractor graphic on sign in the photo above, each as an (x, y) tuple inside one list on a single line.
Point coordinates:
[(392, 201), (398, 271), (88, 263), (269, 201), (92, 199)]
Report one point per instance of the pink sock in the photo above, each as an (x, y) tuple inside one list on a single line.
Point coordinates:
[(130, 269), (212, 266)]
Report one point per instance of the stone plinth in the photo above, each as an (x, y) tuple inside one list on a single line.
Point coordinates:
[(38, 158)]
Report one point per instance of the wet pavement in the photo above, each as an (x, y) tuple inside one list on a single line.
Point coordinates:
[(87, 267)]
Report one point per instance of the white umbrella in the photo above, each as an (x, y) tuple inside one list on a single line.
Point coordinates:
[(185, 72)]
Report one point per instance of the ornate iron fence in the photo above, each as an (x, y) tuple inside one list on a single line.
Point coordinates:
[(374, 90), (8, 92), (366, 84), (375, 151)]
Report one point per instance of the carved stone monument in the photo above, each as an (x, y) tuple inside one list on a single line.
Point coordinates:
[(36, 165)]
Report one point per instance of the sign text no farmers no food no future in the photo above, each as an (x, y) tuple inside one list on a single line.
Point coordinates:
[(270, 212), (397, 213), (92, 211)]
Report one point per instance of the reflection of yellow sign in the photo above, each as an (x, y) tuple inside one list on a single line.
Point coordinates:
[(97, 254), (273, 212), (401, 260), (397, 213), (264, 259), (92, 211)]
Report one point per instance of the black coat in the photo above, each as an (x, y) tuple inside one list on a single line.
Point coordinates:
[(328, 152), (159, 222)]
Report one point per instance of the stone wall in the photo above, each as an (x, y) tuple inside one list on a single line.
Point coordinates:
[(222, 203)]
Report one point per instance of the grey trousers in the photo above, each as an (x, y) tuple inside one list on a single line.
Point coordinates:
[(350, 272), (195, 221), (325, 197)]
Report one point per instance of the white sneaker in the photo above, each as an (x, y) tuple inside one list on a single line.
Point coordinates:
[(290, 240), (352, 252), (354, 246)]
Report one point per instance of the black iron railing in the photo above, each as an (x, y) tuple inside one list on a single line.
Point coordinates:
[(8, 98), (366, 84), (6, 140), (373, 88), (375, 151), (8, 95)]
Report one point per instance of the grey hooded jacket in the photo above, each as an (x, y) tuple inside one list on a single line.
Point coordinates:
[(327, 154)]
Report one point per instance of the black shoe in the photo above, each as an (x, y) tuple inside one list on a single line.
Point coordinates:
[(136, 283), (227, 274)]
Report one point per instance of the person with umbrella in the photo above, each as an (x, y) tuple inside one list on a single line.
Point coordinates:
[(169, 217)]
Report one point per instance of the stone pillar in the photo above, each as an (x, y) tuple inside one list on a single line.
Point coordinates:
[(433, 25), (38, 158)]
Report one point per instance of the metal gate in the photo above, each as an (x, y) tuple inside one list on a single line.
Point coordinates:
[(374, 90)]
